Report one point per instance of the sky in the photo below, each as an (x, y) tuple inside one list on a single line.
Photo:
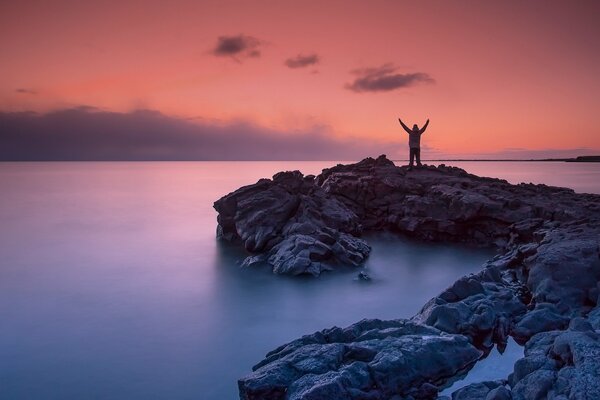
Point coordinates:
[(297, 80)]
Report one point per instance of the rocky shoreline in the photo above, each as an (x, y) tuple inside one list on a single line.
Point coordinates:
[(542, 289)]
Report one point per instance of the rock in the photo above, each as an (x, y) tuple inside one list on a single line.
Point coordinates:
[(566, 268), (363, 276), (535, 385), (370, 359), (560, 364), (545, 278), (440, 204), (480, 306), (594, 318), (482, 391), (293, 226), (499, 393), (544, 317)]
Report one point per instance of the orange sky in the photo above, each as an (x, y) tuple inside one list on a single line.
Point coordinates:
[(505, 74)]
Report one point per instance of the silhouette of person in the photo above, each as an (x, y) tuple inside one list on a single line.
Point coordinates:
[(414, 142)]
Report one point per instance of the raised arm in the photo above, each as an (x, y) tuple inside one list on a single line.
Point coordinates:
[(424, 127), (404, 126)]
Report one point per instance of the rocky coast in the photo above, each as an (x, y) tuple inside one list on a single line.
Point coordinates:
[(542, 288)]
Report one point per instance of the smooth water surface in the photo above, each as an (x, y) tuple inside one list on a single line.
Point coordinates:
[(494, 367), (112, 285), (581, 177)]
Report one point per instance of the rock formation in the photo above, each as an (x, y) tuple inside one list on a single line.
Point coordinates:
[(542, 289)]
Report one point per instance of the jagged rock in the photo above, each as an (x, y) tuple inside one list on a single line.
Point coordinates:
[(547, 273), (560, 365), (293, 224), (370, 359), (565, 270), (480, 306), (442, 204)]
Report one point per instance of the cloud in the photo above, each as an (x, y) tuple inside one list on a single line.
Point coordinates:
[(301, 61), (25, 91), (86, 133), (239, 46), (385, 79)]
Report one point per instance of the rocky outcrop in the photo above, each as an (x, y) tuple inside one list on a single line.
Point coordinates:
[(560, 365), (305, 224), (371, 359), (292, 224), (480, 306), (545, 277)]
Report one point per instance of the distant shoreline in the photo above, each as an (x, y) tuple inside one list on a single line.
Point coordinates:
[(585, 159), (576, 159)]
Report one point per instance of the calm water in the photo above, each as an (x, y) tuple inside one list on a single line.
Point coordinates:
[(112, 285)]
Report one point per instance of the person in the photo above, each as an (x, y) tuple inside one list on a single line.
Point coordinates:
[(414, 142)]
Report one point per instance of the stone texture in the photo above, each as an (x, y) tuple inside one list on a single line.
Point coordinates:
[(560, 365), (490, 390), (370, 359), (545, 279)]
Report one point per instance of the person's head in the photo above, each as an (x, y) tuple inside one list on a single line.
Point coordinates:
[(415, 127)]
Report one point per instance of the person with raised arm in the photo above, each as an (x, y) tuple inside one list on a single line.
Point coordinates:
[(414, 142)]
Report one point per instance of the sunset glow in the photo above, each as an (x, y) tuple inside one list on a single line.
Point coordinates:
[(491, 76)]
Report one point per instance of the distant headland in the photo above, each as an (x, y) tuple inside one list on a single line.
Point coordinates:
[(572, 159), (584, 159)]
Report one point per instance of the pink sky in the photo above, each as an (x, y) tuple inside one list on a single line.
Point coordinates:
[(502, 75)]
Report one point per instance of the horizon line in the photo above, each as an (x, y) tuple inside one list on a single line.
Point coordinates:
[(567, 159)]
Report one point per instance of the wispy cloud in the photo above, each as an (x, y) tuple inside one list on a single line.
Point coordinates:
[(237, 47), (302, 61), (86, 133), (26, 91), (385, 79)]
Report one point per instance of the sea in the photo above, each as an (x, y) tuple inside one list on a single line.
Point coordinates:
[(113, 285)]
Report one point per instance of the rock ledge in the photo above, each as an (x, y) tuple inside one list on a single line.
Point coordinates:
[(542, 289)]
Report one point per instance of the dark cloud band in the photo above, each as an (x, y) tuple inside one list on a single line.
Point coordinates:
[(86, 133)]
